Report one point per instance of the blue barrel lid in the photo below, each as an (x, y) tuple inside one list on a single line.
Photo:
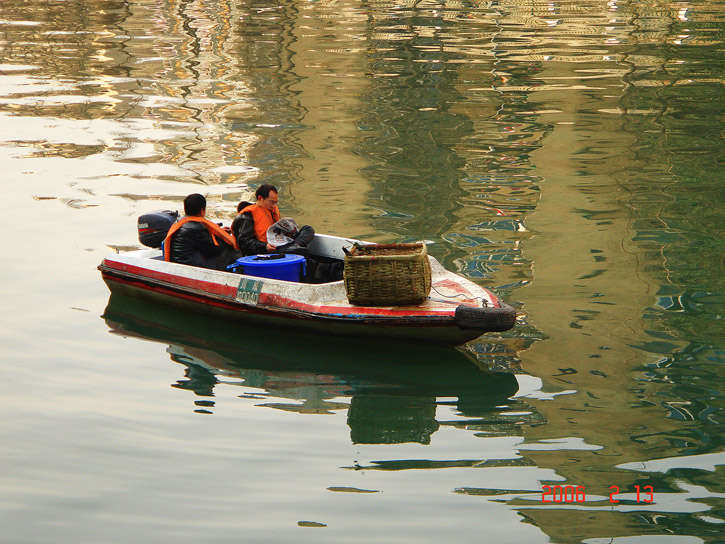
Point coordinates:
[(272, 259)]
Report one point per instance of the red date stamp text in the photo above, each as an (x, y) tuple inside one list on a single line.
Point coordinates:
[(574, 494)]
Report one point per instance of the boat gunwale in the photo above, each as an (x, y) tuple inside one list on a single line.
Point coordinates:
[(324, 297), (200, 296)]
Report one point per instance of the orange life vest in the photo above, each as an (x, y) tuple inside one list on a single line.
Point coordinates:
[(263, 219), (214, 229)]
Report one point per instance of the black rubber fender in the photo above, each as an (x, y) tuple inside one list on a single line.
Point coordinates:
[(488, 319)]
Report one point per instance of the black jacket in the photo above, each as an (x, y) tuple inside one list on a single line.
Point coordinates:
[(243, 231), (192, 244)]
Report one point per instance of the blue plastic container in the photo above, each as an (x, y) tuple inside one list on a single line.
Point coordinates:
[(276, 266)]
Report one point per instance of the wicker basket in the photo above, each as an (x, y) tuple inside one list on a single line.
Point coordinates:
[(387, 274)]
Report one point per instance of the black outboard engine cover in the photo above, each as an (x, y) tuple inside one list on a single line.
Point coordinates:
[(153, 227)]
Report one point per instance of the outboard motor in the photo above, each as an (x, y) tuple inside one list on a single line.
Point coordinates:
[(153, 227)]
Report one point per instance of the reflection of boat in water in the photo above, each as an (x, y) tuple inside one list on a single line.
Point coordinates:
[(393, 389)]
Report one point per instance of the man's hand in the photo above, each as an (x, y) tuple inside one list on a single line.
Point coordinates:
[(271, 248)]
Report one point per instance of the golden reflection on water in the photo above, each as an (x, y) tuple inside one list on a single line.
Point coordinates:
[(516, 135), (585, 301), (328, 57)]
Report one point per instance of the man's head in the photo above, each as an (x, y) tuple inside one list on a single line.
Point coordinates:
[(195, 204), (267, 196)]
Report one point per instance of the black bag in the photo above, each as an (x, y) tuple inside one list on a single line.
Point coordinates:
[(322, 270)]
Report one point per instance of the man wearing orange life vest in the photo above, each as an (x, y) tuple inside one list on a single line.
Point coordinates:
[(196, 241), (250, 226)]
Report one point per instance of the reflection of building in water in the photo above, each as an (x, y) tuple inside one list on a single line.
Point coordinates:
[(270, 99), (200, 87), (327, 53), (161, 103), (592, 287), (410, 133), (446, 130)]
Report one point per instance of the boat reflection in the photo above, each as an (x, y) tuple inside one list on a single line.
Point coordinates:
[(391, 391)]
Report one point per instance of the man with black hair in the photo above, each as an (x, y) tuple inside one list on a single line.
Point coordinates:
[(196, 241), (251, 225)]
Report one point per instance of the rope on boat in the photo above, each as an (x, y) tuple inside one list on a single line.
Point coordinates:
[(484, 302)]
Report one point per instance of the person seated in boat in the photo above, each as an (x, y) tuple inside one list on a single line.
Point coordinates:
[(251, 224), (196, 241)]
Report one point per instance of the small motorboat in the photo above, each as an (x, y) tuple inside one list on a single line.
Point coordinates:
[(455, 312)]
